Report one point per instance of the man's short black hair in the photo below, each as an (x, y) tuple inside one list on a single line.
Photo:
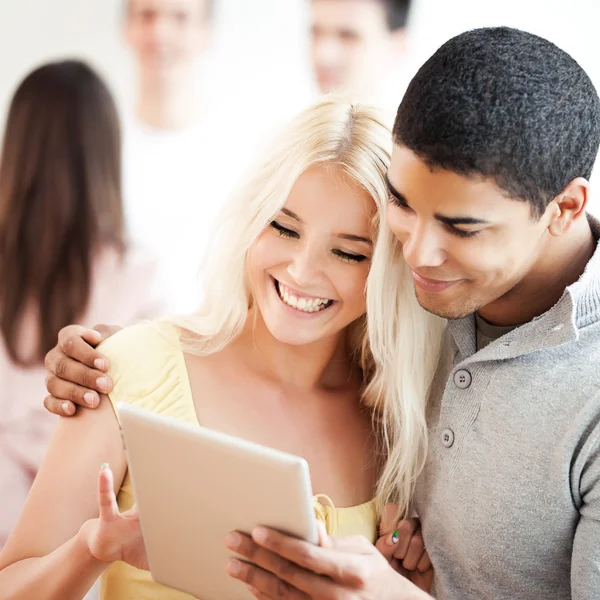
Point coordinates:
[(507, 105), (397, 13)]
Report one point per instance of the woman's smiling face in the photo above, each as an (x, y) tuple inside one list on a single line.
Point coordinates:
[(308, 269)]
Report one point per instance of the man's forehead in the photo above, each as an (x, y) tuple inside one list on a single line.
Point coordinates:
[(187, 5), (348, 11)]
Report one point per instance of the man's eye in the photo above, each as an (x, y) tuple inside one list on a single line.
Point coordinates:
[(464, 234), (397, 202), (283, 231)]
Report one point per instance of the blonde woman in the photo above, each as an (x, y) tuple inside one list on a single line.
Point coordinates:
[(278, 354)]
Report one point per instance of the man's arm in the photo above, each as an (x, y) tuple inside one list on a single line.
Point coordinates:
[(585, 564), (77, 371)]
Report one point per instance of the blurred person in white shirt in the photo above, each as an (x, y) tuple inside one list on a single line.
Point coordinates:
[(360, 47), (179, 163)]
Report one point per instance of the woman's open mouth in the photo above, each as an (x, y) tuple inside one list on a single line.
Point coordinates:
[(306, 304)]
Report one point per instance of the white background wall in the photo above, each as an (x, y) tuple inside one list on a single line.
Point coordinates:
[(261, 47)]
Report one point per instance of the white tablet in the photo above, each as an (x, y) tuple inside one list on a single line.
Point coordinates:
[(194, 485)]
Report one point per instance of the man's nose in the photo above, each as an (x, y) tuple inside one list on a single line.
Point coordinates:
[(421, 247)]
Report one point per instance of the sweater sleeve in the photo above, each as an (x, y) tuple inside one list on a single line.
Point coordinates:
[(585, 564)]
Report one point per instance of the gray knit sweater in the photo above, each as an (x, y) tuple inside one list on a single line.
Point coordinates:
[(510, 496)]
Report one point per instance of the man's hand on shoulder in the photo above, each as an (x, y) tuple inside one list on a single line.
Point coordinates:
[(77, 372)]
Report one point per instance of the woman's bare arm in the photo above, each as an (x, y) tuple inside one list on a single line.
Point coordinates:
[(46, 556)]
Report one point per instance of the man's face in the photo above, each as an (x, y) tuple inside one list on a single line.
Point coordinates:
[(166, 35), (467, 244), (352, 45)]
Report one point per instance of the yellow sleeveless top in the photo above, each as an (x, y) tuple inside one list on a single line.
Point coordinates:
[(148, 370)]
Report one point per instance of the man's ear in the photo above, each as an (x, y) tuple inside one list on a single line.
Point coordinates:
[(568, 207)]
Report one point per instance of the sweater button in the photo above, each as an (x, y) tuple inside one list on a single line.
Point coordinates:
[(447, 438), (462, 379)]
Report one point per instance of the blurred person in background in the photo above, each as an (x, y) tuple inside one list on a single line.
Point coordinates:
[(168, 38), (63, 254), (357, 44), (175, 175)]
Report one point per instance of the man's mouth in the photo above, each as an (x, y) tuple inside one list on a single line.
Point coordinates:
[(432, 285)]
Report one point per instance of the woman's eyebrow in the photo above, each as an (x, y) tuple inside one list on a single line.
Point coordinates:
[(293, 215), (354, 238)]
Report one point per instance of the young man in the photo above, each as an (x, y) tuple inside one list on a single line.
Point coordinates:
[(183, 152), (357, 44), (495, 141), (167, 39)]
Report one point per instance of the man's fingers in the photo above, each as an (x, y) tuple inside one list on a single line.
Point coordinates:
[(299, 578), (78, 348), (266, 584), (340, 563), (106, 331), (414, 553), (324, 539), (68, 371), (258, 594), (243, 545), (79, 342), (424, 563), (72, 393), (107, 502), (62, 408)]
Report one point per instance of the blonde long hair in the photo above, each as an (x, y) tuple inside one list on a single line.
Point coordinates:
[(398, 349)]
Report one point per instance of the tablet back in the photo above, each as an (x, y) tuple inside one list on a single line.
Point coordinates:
[(194, 485)]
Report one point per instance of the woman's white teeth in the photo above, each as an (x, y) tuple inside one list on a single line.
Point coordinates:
[(303, 304)]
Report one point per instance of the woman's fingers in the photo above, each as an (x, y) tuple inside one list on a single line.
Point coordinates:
[(424, 563), (414, 552), (107, 502), (404, 534)]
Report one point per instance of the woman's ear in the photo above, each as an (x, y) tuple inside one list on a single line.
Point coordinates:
[(568, 207)]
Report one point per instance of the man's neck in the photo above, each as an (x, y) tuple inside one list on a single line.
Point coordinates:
[(562, 264), (174, 104)]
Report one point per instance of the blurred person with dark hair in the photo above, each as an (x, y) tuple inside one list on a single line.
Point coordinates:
[(357, 44), (63, 254)]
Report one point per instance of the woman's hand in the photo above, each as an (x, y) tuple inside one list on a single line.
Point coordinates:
[(401, 543), (113, 535), (77, 371)]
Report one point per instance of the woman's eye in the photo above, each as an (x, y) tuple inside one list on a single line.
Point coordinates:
[(283, 231), (348, 257)]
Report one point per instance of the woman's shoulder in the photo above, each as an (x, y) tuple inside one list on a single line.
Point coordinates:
[(147, 367)]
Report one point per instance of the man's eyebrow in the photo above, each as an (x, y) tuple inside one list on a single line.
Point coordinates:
[(451, 221), (393, 191)]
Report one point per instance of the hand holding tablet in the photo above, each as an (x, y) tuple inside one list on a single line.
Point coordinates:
[(193, 486)]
